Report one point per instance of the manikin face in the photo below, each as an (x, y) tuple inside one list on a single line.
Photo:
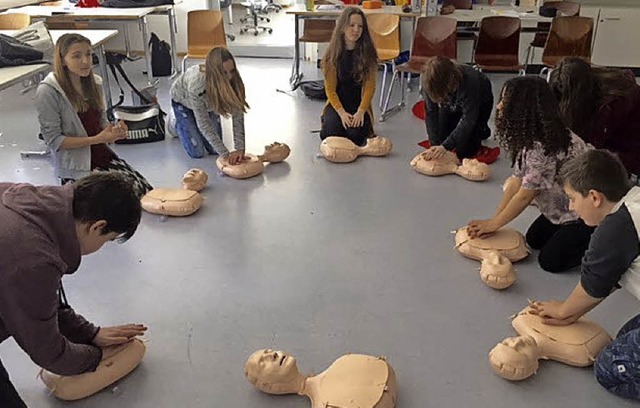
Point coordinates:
[(229, 68), (525, 346), (587, 208), (520, 353), (353, 30), (78, 59), (275, 371), (91, 237)]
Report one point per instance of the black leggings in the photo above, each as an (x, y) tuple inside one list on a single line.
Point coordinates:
[(9, 397), (561, 246), (332, 126)]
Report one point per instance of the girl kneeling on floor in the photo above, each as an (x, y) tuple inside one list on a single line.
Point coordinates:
[(73, 120), (203, 93), (349, 67), (529, 127)]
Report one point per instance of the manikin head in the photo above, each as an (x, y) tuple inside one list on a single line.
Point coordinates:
[(273, 372), (381, 144), (194, 179), (105, 208), (497, 271), (515, 358), (594, 182), (275, 152)]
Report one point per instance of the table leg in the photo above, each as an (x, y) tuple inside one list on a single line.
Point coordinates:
[(127, 41), (102, 63), (147, 51), (296, 76), (173, 28)]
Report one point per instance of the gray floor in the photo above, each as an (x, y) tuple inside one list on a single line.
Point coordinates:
[(311, 257)]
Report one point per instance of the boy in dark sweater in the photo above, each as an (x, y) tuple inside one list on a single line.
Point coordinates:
[(45, 231), (599, 191), (459, 104)]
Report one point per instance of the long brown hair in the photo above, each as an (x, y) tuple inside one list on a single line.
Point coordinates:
[(581, 89), (440, 78), (91, 97), (530, 114), (226, 97), (364, 54)]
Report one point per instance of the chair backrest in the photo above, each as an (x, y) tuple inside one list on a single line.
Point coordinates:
[(459, 4), (435, 36), (317, 30), (384, 30), (205, 31), (567, 8), (568, 37), (14, 21), (499, 38)]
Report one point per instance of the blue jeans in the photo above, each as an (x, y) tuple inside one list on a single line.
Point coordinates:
[(192, 140), (617, 367)]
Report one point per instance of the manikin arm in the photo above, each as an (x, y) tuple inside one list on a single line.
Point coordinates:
[(563, 313)]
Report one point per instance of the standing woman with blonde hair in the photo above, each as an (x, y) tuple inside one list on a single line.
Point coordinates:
[(73, 119), (203, 93), (349, 67)]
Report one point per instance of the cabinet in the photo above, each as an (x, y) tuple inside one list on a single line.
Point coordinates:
[(616, 40)]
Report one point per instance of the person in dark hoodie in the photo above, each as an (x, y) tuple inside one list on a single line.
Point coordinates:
[(459, 102), (45, 232), (602, 106), (73, 120)]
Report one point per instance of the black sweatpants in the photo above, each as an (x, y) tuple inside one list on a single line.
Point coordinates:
[(9, 397), (561, 246), (332, 126)]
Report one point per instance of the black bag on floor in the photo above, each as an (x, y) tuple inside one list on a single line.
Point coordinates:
[(145, 122), (160, 57), (314, 90)]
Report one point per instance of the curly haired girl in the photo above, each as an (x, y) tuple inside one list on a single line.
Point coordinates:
[(529, 127)]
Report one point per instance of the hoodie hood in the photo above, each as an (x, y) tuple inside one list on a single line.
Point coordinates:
[(51, 80), (50, 210)]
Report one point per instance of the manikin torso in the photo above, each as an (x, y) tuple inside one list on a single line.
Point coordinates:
[(496, 252), (577, 344), (353, 381), (253, 165), (342, 150), (469, 169)]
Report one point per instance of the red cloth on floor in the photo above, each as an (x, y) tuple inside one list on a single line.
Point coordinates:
[(486, 154), (420, 110)]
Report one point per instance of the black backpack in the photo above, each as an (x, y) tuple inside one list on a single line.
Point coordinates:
[(314, 90), (160, 56)]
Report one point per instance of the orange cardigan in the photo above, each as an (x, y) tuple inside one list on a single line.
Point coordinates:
[(369, 88)]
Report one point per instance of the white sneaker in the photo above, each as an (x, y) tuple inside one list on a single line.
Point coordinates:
[(170, 125)]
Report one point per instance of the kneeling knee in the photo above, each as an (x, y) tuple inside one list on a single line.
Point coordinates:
[(551, 264)]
